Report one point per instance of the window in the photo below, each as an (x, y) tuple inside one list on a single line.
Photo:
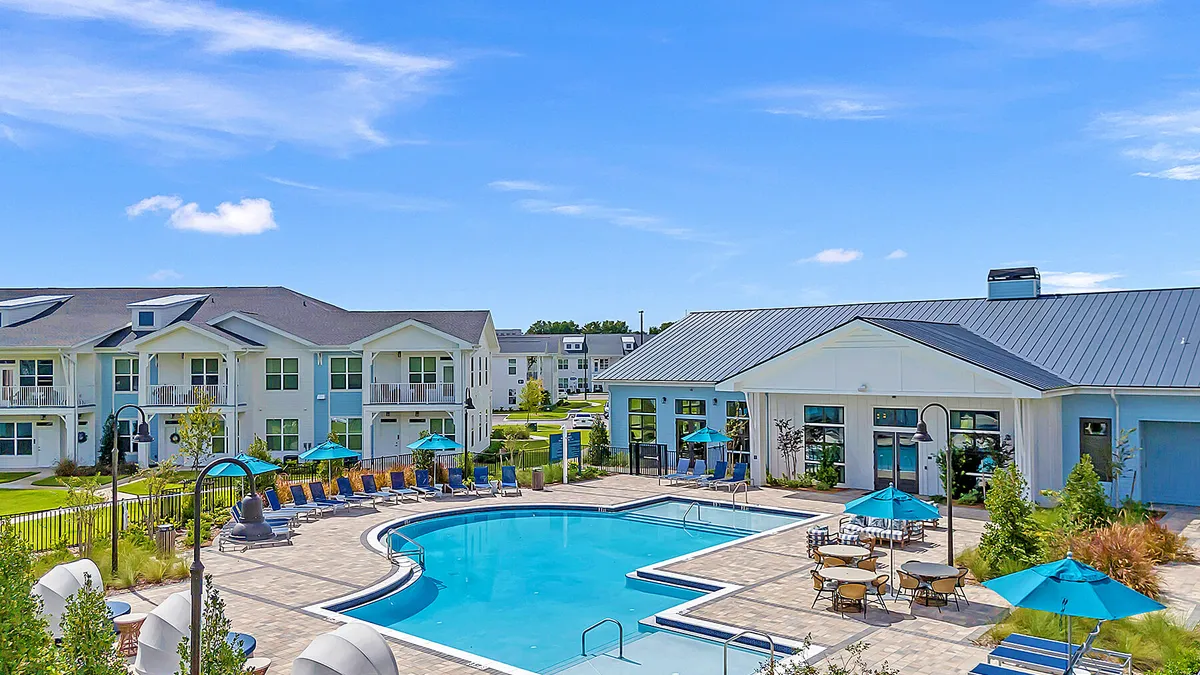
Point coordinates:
[(737, 426), (345, 373), (443, 426), (125, 374), (978, 433), (349, 430), (512, 396), (737, 409), (562, 364), (512, 366), (422, 369), (145, 319), (643, 423), (36, 373), (125, 431), (16, 439), (601, 365), (581, 364), (825, 438), (205, 371), (284, 374), (573, 345), (562, 384), (1095, 441), (283, 435), (693, 407), (218, 440), (896, 417)]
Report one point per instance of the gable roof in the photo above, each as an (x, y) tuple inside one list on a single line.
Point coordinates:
[(599, 344), (1144, 338)]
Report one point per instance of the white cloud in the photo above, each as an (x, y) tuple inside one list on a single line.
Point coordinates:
[(1163, 152), (897, 254), (8, 134), (1077, 282), (823, 103), (835, 256), (1183, 172), (292, 183), (155, 203), (622, 217), (518, 186), (165, 275)]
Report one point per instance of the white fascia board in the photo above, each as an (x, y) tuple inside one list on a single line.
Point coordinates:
[(459, 342)]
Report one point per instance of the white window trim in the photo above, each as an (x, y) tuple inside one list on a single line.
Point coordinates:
[(281, 374), (347, 374), (134, 377), (805, 462)]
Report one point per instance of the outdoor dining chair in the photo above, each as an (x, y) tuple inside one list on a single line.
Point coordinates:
[(910, 586), (867, 564), (944, 589), (852, 594), (961, 589), (830, 561), (824, 587), (878, 590)]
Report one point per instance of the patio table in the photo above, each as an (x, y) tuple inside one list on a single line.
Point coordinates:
[(844, 551), (927, 571), (849, 575)]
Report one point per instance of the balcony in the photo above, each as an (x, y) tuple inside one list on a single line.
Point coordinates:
[(185, 395), (382, 393), (42, 397)]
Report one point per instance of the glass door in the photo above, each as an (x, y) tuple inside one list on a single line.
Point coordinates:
[(896, 457), (683, 427)]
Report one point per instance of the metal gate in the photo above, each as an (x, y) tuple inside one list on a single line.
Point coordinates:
[(650, 459)]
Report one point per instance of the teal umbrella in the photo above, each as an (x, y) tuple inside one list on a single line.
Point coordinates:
[(257, 466), (892, 504), (328, 451), (706, 435), (434, 442)]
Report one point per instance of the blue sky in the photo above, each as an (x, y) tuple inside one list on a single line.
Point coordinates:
[(570, 160)]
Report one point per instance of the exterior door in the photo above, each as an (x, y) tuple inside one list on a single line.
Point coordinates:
[(896, 455), (45, 441), (8, 380), (683, 427)]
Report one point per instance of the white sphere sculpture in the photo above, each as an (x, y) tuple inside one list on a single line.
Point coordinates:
[(59, 584), (164, 629), (353, 649)]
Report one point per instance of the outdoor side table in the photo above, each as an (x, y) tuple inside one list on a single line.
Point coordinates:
[(129, 627), (258, 665)]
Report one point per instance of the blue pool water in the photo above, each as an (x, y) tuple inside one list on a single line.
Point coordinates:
[(518, 586)]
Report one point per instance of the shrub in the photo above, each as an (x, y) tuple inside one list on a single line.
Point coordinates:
[(1118, 550), (1082, 504), (598, 449), (217, 655), (848, 662), (1164, 546), (66, 468), (87, 643), (1011, 535), (25, 644), (502, 431), (1186, 663), (803, 480)]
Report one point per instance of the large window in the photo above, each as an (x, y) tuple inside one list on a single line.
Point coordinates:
[(896, 417), (125, 431), (283, 435), (563, 364), (283, 374), (978, 433), (581, 364), (562, 384), (1096, 442), (36, 373), (643, 422), (218, 439), (345, 373), (145, 319), (206, 372), (600, 365), (16, 439), (825, 438), (125, 377), (349, 430), (443, 426), (512, 366), (687, 406), (737, 426), (422, 369)]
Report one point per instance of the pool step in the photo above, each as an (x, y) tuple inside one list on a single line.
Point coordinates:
[(662, 653), (695, 525)]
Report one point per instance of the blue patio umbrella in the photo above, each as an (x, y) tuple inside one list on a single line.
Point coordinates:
[(434, 442), (892, 504), (706, 435), (257, 466), (328, 451), (1071, 588)]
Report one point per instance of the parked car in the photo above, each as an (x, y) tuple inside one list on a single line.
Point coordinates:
[(583, 421)]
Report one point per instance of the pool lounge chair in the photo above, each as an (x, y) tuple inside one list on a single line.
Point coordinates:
[(698, 476), (299, 499), (346, 491), (681, 471), (317, 490), (372, 490), (481, 481), (236, 511), (719, 471), (508, 480), (400, 487), (739, 476), (278, 509), (1094, 660), (424, 486), (279, 536), (989, 669), (456, 482)]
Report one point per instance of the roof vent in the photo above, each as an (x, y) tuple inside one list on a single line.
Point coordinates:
[(1014, 283), (16, 310)]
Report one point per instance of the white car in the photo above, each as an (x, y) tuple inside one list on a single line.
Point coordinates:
[(583, 421)]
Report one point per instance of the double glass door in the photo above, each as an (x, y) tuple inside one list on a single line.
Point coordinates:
[(896, 458)]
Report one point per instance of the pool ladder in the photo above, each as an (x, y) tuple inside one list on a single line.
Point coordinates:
[(601, 622), (744, 487), (417, 555), (693, 505), (725, 649)]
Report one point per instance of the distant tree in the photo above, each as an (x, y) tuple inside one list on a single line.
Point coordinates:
[(196, 429), (553, 327), (25, 644), (606, 327), (598, 444), (531, 397), (655, 330), (104, 456)]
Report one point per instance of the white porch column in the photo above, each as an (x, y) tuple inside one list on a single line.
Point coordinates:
[(368, 439), (144, 377), (1023, 450), (760, 436), (368, 361), (231, 422)]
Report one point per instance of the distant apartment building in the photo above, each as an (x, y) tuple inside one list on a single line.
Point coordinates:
[(566, 364)]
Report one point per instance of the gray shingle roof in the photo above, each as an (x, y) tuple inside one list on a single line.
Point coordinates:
[(98, 313), (1113, 339)]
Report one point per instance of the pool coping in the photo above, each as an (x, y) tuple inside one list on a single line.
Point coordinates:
[(406, 572)]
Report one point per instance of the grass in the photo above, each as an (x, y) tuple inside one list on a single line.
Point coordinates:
[(10, 476), (53, 481), (139, 487), (135, 564), (22, 501), (521, 416)]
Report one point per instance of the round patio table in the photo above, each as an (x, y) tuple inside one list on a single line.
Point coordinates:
[(927, 571), (849, 575), (117, 608), (844, 551)]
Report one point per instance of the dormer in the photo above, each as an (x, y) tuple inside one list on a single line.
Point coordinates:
[(573, 344), (17, 310), (156, 313), (628, 343)]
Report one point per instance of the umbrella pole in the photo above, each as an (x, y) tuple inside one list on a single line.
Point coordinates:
[(892, 564), (1069, 659)]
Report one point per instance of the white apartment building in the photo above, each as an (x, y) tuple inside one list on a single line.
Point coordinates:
[(566, 364)]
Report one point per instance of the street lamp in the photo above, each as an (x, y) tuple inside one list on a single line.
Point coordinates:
[(922, 436), (142, 436), (252, 528)]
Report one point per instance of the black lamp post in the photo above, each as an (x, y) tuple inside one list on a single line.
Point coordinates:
[(252, 528), (142, 436), (922, 436)]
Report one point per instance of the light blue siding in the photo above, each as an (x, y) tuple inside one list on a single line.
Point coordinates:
[(108, 400), (1172, 462), (619, 395), (336, 403)]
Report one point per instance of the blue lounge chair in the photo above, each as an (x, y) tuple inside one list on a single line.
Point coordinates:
[(456, 481), (424, 486), (296, 511), (482, 481), (1029, 660), (372, 490), (739, 476), (508, 480), (719, 470), (346, 491), (698, 475), (1105, 661), (317, 490), (989, 669), (300, 499), (278, 525), (681, 471), (399, 487)]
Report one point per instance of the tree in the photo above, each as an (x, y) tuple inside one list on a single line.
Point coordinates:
[(655, 330), (531, 397), (156, 479), (790, 442), (87, 641), (104, 456), (1123, 452), (1011, 535), (217, 655), (1082, 503), (258, 450), (606, 326), (26, 647), (81, 497), (512, 446), (598, 448), (553, 327), (196, 429)]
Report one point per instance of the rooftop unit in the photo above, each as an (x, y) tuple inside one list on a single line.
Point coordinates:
[(1014, 283)]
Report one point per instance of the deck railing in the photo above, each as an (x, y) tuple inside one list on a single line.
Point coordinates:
[(42, 397), (410, 392), (186, 395)]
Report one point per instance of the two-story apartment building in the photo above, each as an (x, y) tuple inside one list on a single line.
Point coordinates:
[(566, 364), (273, 363)]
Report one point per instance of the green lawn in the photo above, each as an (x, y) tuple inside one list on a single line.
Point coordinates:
[(21, 501), (10, 476), (521, 416), (53, 481)]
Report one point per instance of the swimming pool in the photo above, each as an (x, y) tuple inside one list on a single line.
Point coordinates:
[(519, 585)]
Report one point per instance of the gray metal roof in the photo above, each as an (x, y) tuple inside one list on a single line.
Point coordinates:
[(594, 344), (102, 315), (1113, 339)]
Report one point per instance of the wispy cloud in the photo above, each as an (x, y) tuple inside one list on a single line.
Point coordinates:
[(1182, 172), (835, 256), (162, 275), (1171, 130), (1102, 4), (1163, 152), (1039, 37), (621, 217), (898, 254), (518, 186), (1078, 282), (822, 103), (380, 201), (292, 183), (249, 216)]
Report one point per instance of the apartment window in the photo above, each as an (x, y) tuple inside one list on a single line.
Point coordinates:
[(349, 430), (562, 384), (345, 373), (977, 432), (563, 364), (125, 431), (145, 319), (125, 374), (736, 410), (512, 396), (283, 435), (218, 439), (422, 369), (283, 374), (443, 426), (601, 365), (896, 417), (205, 372), (825, 437), (692, 407), (643, 422), (581, 364), (16, 439), (36, 373), (1096, 442), (512, 366)]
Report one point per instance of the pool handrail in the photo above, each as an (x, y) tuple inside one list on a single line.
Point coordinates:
[(601, 622), (392, 553), (725, 649), (689, 510), (745, 487)]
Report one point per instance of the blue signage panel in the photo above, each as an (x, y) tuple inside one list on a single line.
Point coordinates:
[(574, 445), (556, 443)]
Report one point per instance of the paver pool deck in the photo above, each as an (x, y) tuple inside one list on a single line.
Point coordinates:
[(266, 589)]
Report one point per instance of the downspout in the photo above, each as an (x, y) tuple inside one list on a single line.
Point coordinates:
[(1112, 393)]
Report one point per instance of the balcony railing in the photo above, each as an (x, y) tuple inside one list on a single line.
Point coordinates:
[(396, 393), (42, 397), (186, 395)]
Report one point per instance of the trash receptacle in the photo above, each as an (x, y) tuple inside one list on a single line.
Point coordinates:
[(532, 426), (539, 479), (164, 540)]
